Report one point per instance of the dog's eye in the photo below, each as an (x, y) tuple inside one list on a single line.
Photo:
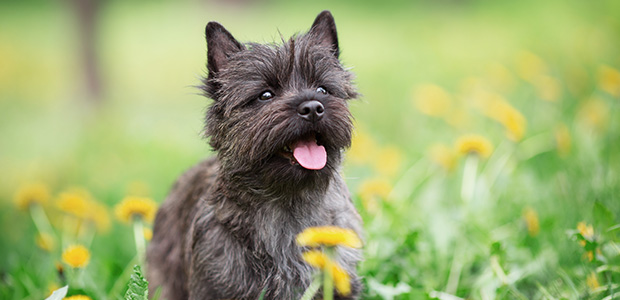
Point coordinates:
[(321, 90), (266, 95)]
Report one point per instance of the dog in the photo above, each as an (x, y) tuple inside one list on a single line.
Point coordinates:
[(279, 123)]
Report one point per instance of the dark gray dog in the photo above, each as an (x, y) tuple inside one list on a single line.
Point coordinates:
[(279, 123)]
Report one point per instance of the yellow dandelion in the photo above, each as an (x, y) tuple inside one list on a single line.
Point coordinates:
[(594, 114), (136, 207), (76, 256), (99, 215), (45, 241), (138, 188), (530, 66), (499, 109), (592, 281), (315, 258), (148, 233), (75, 202), (32, 193), (587, 231), (444, 156), (389, 160), (342, 281), (474, 144), (363, 148), (499, 77), (328, 236), (372, 191), (531, 221), (319, 260), (547, 88), (432, 100), (562, 139), (609, 80), (78, 297)]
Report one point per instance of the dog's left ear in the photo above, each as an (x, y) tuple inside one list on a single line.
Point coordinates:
[(323, 31)]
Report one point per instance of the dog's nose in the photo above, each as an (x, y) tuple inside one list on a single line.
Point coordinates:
[(311, 110)]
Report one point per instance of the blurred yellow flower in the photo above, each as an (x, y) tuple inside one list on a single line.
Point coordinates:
[(474, 144), (342, 281), (32, 193), (319, 260), (76, 256), (592, 281), (148, 233), (138, 188), (136, 207), (530, 66), (76, 202), (363, 148), (388, 161), (609, 80), (432, 100), (531, 221), (547, 88), (99, 215), (372, 191), (499, 77), (315, 258), (444, 156), (45, 241), (328, 236), (562, 139), (587, 231), (594, 114), (78, 297)]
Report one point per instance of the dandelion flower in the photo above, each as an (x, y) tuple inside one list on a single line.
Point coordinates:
[(594, 114), (609, 80), (328, 236), (587, 231), (443, 156), (592, 281), (531, 221), (562, 139), (136, 207), (547, 88), (530, 66), (45, 241), (499, 109), (76, 256), (319, 260), (432, 100), (373, 190), (148, 233), (33, 193), (474, 144), (363, 148), (75, 202), (389, 160), (78, 297)]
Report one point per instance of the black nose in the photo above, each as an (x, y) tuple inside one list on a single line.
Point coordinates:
[(311, 110)]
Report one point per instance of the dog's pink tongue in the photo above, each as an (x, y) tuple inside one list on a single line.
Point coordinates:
[(310, 155)]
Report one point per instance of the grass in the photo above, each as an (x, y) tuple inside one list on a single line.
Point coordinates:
[(429, 73)]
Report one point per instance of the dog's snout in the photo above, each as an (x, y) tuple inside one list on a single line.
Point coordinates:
[(312, 110)]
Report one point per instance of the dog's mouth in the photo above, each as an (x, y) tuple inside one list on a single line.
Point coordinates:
[(307, 152)]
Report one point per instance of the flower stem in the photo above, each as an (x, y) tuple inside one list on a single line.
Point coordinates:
[(138, 235), (40, 219), (468, 187), (312, 289), (328, 282)]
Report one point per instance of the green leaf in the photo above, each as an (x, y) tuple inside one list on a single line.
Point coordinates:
[(138, 287)]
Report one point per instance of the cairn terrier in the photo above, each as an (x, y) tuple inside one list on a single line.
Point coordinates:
[(279, 122)]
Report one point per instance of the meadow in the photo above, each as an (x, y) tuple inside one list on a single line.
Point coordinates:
[(485, 164)]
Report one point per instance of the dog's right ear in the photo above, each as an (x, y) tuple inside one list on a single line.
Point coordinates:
[(220, 46)]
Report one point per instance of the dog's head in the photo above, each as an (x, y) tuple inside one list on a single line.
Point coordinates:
[(280, 112)]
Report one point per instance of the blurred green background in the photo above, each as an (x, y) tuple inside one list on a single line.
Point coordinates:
[(105, 97)]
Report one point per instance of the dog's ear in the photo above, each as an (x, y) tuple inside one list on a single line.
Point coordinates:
[(220, 46), (323, 31)]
